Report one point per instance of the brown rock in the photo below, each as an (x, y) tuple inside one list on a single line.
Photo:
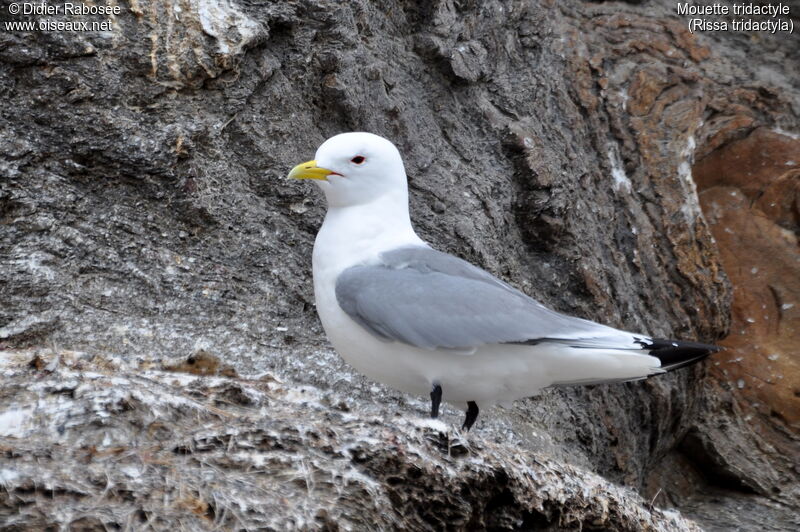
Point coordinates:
[(201, 363), (750, 200), (780, 200), (752, 164), (761, 259)]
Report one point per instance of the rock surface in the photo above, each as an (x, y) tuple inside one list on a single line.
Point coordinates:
[(109, 446), (750, 191), (143, 213)]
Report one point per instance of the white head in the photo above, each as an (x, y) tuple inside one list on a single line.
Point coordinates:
[(356, 168)]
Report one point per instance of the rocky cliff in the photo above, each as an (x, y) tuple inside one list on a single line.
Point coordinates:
[(566, 147)]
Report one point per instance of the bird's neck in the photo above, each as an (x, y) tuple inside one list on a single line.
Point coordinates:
[(357, 234)]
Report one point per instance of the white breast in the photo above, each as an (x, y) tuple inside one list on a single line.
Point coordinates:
[(350, 236)]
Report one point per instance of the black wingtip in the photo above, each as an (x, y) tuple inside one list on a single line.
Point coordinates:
[(676, 354)]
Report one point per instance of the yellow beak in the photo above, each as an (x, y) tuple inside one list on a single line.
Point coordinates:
[(310, 170)]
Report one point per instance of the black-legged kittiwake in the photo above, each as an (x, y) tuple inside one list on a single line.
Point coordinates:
[(425, 322)]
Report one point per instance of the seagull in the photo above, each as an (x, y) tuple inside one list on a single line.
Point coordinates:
[(425, 322)]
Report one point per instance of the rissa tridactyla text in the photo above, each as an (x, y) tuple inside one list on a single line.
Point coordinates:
[(423, 321)]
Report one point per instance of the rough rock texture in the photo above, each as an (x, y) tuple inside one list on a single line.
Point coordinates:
[(110, 446), (143, 210), (750, 190)]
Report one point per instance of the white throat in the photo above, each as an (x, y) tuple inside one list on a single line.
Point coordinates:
[(357, 234)]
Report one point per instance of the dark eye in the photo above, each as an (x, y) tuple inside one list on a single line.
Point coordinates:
[(358, 159)]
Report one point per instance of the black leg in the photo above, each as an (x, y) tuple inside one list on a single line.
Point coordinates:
[(472, 415), (436, 400)]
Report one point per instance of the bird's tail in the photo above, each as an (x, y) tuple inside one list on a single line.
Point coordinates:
[(676, 354), (603, 364)]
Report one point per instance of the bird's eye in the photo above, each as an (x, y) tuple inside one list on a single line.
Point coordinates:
[(358, 159)]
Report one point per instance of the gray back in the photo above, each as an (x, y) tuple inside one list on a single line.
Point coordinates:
[(430, 299)]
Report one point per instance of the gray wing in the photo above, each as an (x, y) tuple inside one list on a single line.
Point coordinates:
[(430, 299)]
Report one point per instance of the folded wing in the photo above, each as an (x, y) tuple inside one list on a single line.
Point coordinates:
[(431, 300)]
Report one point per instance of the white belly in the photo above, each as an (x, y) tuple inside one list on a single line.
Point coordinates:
[(400, 366), (491, 374)]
